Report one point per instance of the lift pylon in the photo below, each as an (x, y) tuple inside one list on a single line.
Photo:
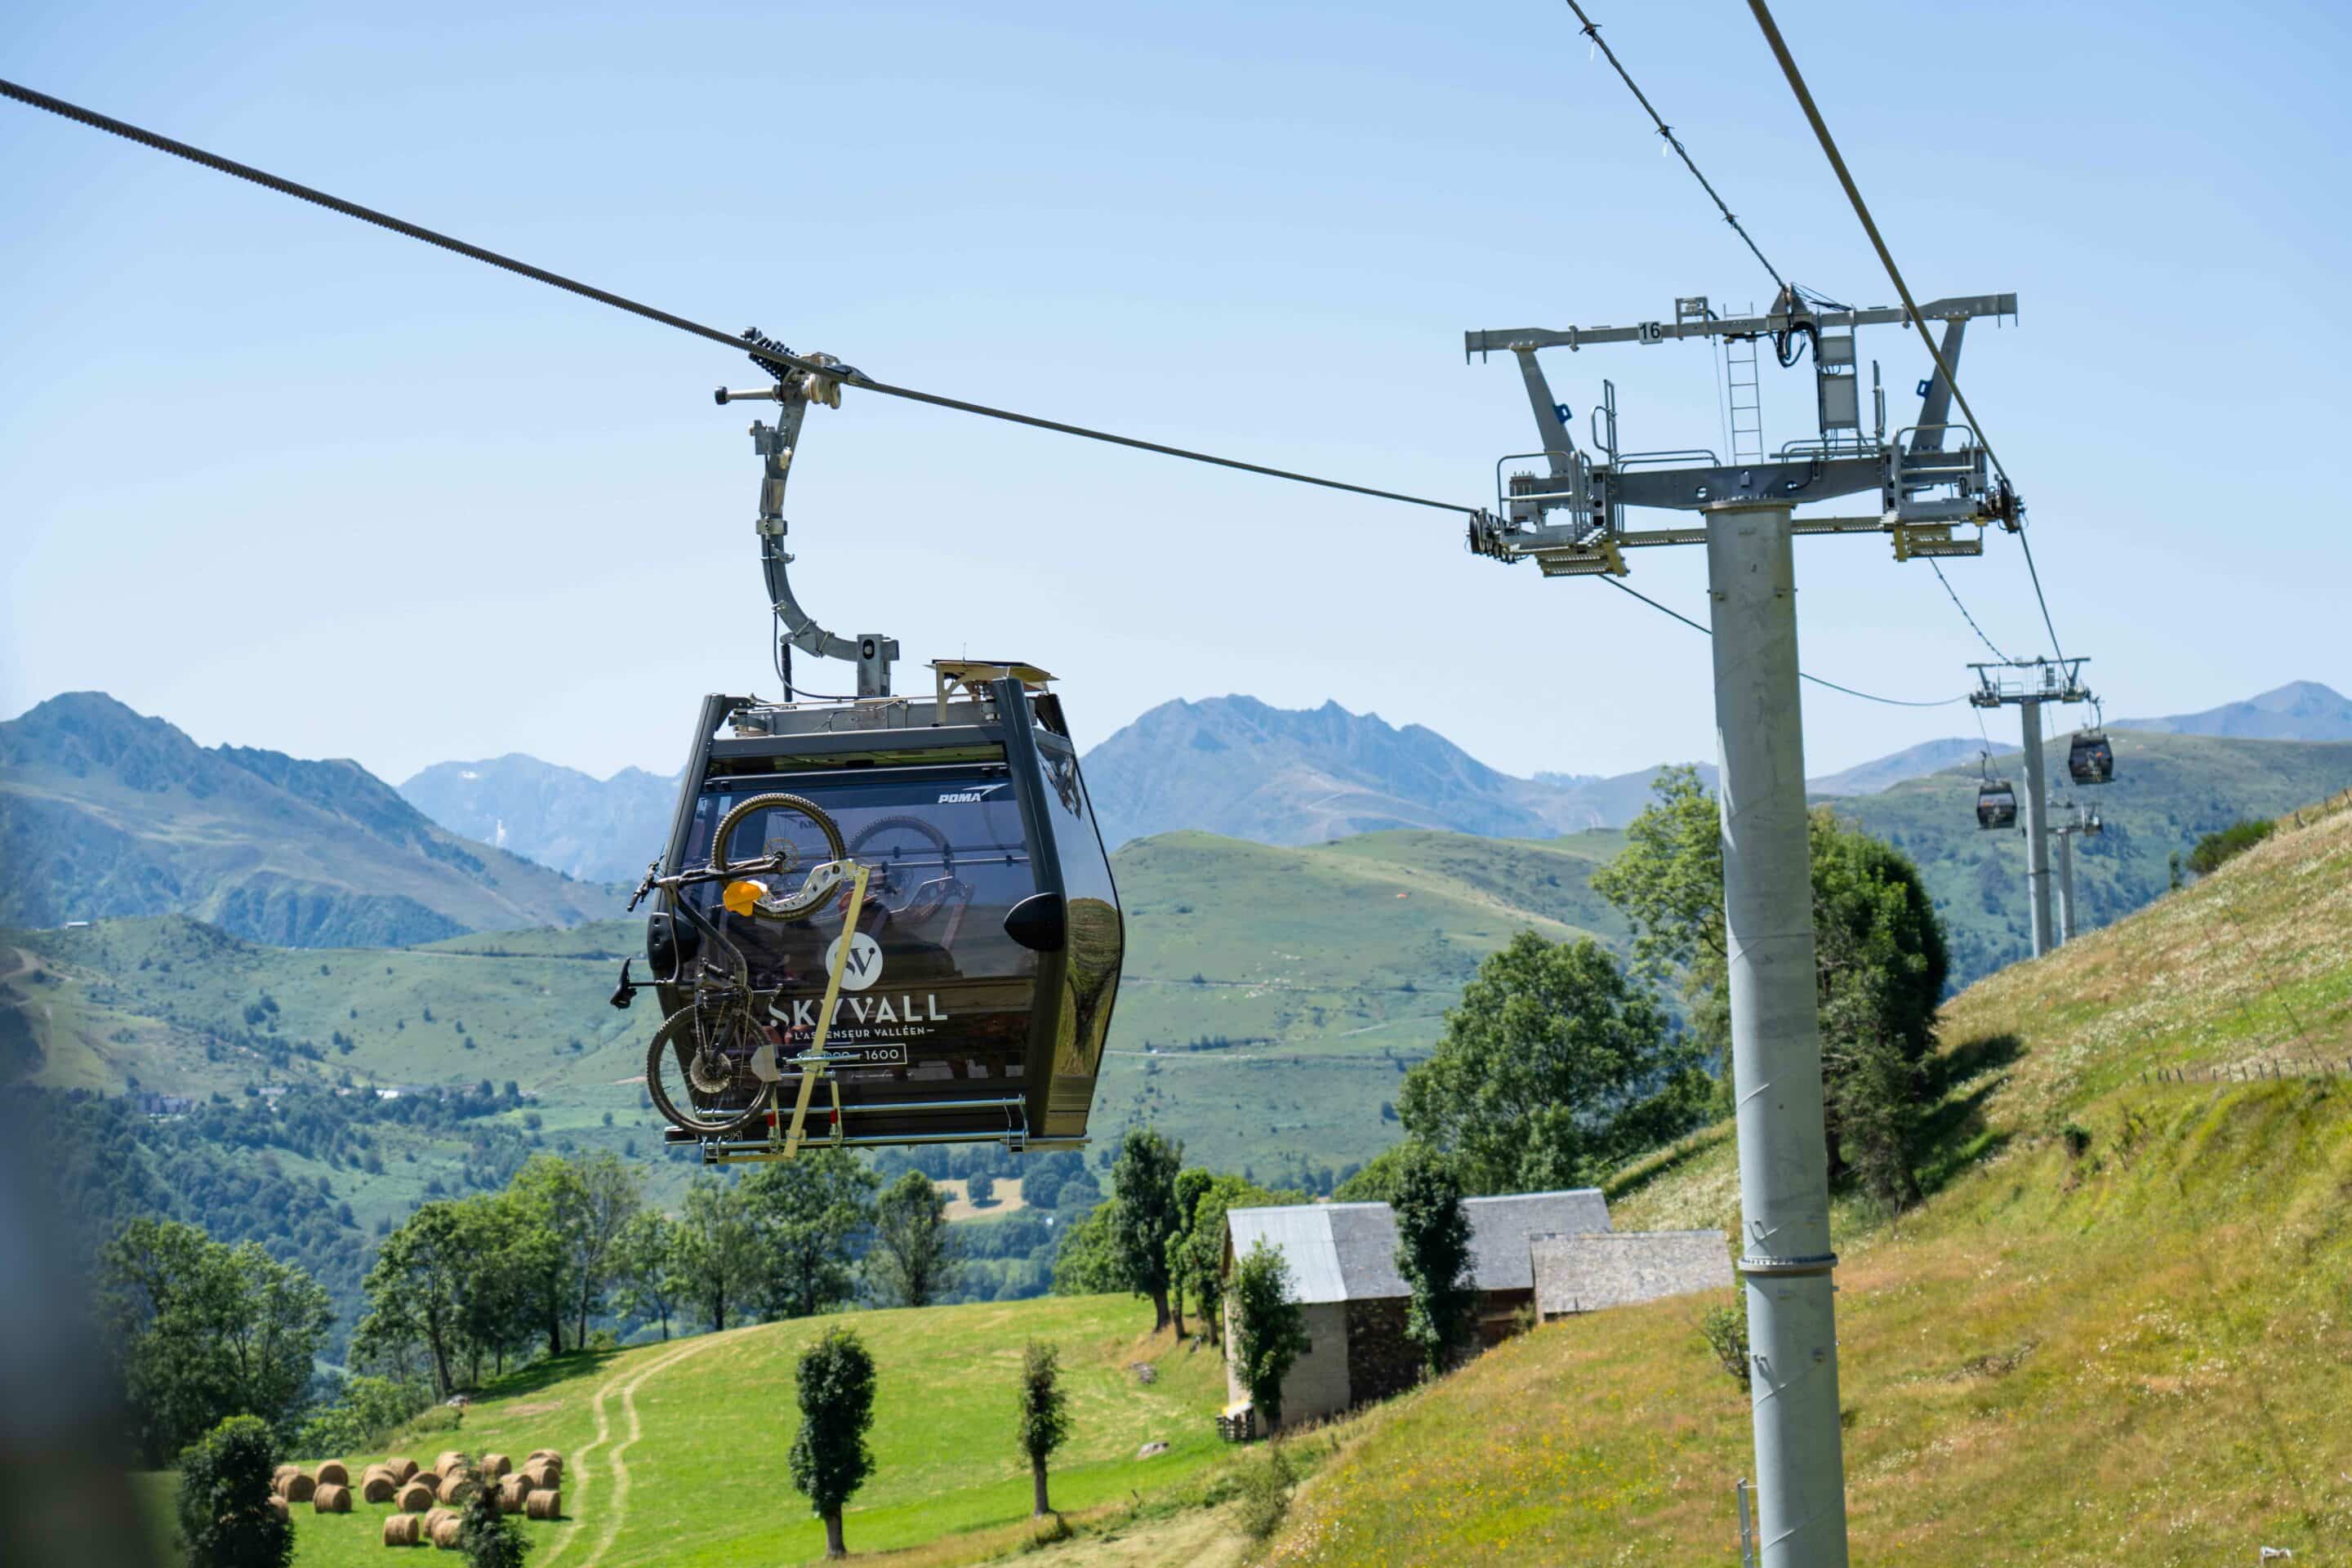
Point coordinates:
[(1934, 495), (2026, 684)]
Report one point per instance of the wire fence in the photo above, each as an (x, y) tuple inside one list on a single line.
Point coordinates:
[(2273, 1071)]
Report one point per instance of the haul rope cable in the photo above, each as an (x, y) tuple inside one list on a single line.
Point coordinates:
[(1591, 29), (847, 375), (1886, 259), (1801, 675), (844, 374)]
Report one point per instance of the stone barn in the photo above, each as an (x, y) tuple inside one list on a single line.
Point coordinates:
[(1617, 1268), (1342, 1260)]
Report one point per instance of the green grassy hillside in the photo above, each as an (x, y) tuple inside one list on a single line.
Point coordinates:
[(2169, 791), (107, 812), (2139, 1352), (1305, 978), (675, 1453)]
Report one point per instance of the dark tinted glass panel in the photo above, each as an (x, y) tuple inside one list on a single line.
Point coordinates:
[(935, 996), (1097, 936)]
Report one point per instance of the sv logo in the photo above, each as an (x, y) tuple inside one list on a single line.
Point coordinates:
[(864, 965)]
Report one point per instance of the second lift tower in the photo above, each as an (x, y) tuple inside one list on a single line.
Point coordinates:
[(2027, 685), (1929, 487)]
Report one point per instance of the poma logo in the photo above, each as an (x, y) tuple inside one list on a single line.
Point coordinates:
[(968, 796), (864, 964)]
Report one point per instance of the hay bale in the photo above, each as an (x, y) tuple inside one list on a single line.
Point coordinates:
[(277, 1506), (457, 1493), (543, 1505), (277, 1476), (296, 1488), (377, 1486), (444, 1535), (543, 1454), (415, 1497), (331, 1498), (451, 1459), (496, 1465), (512, 1491), (403, 1470), (333, 1474), (543, 1475), (403, 1530), (437, 1517)]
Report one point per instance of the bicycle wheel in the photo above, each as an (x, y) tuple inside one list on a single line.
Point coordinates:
[(926, 897), (780, 909), (698, 1069)]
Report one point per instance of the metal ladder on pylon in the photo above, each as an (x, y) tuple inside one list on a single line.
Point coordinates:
[(1743, 392)]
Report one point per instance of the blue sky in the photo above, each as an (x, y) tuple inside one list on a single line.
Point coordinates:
[(292, 482)]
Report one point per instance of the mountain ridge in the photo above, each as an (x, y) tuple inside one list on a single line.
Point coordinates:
[(105, 811)]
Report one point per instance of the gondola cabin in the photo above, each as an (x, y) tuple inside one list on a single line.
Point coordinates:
[(2090, 759), (977, 990), (1996, 805)]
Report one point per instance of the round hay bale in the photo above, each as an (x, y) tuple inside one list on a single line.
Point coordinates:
[(377, 1486), (403, 1470), (451, 1459), (414, 1498), (543, 1454), (333, 1474), (445, 1534), (543, 1505), (403, 1530), (277, 1506), (434, 1518), (495, 1465), (277, 1476), (296, 1488), (457, 1493), (543, 1475), (511, 1493), (331, 1498)]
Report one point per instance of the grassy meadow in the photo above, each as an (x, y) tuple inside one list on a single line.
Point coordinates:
[(675, 1453), (2132, 1345)]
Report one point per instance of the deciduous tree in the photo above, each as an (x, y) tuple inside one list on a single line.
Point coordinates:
[(809, 1213), (1554, 1068), (226, 1520), (1045, 1415), (646, 1281), (829, 1458), (718, 1253), (915, 1259), (1880, 956), (1269, 1327), (1145, 1175), (1432, 1253), (203, 1330)]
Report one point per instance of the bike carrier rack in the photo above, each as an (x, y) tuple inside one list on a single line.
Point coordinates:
[(785, 1136)]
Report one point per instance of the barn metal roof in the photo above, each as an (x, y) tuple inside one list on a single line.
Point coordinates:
[(1347, 1252)]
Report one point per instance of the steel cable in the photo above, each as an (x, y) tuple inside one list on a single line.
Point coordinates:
[(1801, 675), (1591, 29), (268, 181), (1886, 259)]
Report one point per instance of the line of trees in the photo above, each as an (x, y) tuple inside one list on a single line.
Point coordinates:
[(1561, 1064)]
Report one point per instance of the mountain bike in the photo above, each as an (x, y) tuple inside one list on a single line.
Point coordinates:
[(711, 1063)]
